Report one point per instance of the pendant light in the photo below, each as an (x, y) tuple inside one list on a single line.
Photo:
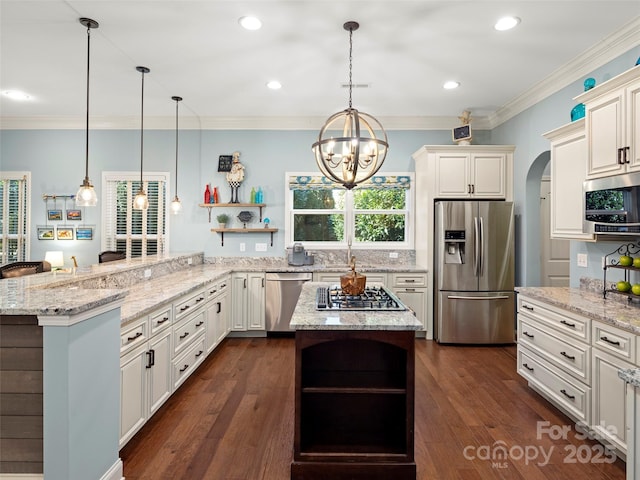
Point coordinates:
[(352, 145), (86, 196), (176, 205), (141, 201)]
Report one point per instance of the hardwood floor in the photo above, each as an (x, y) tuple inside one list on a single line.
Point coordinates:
[(233, 420)]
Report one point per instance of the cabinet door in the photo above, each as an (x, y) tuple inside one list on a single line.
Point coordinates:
[(568, 172), (604, 134), (416, 300), (632, 114), (160, 372), (488, 172), (609, 399), (452, 175), (239, 289), (133, 392), (256, 302), (217, 323)]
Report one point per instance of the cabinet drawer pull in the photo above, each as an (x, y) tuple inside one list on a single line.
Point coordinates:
[(527, 334), (409, 289), (199, 353), (185, 335), (468, 188), (410, 280), (198, 300), (149, 364), (184, 308), (527, 307), (160, 322), (568, 324), (473, 188), (527, 367), (219, 307), (199, 324), (626, 158), (620, 161), (211, 292), (223, 285), (184, 368), (570, 397), (131, 339), (566, 355), (611, 342)]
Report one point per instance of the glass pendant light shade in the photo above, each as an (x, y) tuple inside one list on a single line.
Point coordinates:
[(86, 196), (352, 145), (176, 205), (141, 201)]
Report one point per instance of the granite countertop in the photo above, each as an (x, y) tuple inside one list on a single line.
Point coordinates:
[(306, 317), (630, 375), (612, 310)]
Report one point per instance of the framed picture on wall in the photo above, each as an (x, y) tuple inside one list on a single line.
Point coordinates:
[(54, 214), (74, 214), (84, 233), (46, 233), (64, 233)]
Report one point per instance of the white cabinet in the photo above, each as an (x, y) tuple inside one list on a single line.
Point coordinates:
[(568, 172), (145, 369), (471, 174), (248, 302), (554, 355), (217, 313), (612, 113), (411, 289)]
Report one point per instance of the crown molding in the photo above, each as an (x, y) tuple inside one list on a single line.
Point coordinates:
[(601, 53)]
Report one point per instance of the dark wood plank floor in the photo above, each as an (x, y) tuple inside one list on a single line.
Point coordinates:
[(233, 420)]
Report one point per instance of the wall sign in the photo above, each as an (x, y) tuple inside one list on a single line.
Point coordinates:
[(224, 163)]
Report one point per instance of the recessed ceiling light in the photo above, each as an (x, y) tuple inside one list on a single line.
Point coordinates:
[(250, 23), (506, 23), (274, 85), (450, 85), (16, 95)]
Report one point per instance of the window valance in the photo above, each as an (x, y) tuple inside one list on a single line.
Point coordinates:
[(320, 182)]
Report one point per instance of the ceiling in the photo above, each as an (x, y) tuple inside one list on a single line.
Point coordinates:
[(403, 52)]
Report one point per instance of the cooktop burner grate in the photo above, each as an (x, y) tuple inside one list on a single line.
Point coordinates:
[(373, 298)]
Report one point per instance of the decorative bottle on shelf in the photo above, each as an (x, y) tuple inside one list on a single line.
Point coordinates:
[(253, 195), (207, 194), (259, 197), (215, 195), (577, 112)]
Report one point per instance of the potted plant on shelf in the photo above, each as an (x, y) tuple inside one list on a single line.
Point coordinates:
[(223, 218)]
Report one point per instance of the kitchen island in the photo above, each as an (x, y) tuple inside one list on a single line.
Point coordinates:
[(354, 393)]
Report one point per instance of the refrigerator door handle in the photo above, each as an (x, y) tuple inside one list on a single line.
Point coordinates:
[(476, 246), (464, 297), (481, 248)]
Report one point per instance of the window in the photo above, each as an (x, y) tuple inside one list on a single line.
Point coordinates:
[(136, 232), (376, 214), (14, 216)]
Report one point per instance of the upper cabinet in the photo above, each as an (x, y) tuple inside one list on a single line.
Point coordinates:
[(612, 116), (482, 171), (568, 151)]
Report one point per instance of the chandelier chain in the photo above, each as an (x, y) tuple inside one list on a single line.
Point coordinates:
[(350, 65)]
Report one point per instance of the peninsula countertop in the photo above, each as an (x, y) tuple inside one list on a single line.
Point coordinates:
[(590, 304), (306, 317)]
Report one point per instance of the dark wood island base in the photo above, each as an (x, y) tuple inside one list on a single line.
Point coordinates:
[(354, 405)]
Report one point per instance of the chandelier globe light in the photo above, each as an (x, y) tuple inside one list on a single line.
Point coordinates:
[(86, 195), (352, 145), (141, 201), (176, 205)]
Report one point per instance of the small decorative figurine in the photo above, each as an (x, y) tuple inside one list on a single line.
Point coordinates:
[(462, 134), (235, 177)]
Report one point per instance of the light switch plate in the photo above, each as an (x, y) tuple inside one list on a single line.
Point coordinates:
[(582, 259), (243, 247), (261, 247)]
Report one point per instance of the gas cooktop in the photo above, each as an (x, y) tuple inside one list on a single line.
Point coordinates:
[(373, 298)]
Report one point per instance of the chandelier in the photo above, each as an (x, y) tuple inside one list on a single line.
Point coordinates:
[(141, 201), (352, 145)]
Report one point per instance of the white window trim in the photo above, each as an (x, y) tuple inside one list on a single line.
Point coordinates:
[(349, 217), (135, 176), (26, 176)]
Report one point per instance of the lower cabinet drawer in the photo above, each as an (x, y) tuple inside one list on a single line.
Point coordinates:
[(185, 331), (567, 353), (571, 396), (185, 364)]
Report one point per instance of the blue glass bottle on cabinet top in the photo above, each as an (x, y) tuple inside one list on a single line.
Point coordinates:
[(577, 112)]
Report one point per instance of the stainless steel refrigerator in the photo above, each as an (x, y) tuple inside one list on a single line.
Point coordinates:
[(474, 298)]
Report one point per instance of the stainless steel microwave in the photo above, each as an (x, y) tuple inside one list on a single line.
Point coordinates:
[(612, 205)]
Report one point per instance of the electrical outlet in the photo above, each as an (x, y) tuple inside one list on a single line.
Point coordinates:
[(147, 273), (189, 261), (393, 254), (582, 259), (261, 247), (243, 247)]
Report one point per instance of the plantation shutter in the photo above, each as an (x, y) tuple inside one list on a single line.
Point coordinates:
[(14, 213)]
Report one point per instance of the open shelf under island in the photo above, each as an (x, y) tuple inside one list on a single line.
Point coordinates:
[(354, 392)]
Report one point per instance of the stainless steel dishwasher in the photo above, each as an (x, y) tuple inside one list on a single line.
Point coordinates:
[(282, 292)]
